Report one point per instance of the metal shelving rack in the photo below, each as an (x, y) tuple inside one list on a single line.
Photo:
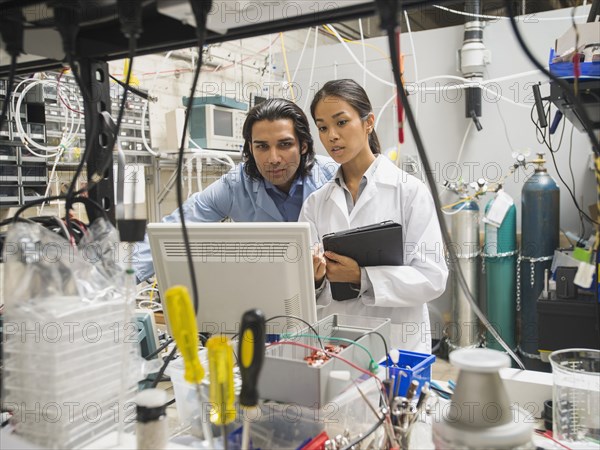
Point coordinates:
[(24, 177)]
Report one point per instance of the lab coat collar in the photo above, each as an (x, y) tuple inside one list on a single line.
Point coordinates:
[(385, 173)]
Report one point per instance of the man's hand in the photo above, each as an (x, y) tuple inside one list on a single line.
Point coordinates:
[(341, 269)]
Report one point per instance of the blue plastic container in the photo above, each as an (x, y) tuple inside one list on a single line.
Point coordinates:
[(411, 366), (565, 69)]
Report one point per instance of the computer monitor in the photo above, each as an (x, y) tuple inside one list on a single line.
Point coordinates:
[(239, 266)]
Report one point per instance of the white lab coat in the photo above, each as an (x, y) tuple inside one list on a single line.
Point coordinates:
[(398, 292)]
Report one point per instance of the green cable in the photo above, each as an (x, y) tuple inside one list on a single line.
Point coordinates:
[(373, 366)]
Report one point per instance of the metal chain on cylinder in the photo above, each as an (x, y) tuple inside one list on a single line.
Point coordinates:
[(496, 255), (532, 262), (519, 283)]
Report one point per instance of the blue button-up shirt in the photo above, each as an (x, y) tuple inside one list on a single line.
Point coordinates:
[(242, 199), (289, 204)]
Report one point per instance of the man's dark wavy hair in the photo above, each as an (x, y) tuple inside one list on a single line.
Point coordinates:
[(275, 109)]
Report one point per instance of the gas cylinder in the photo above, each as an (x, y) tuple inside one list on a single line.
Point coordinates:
[(465, 329), (500, 262), (540, 226)]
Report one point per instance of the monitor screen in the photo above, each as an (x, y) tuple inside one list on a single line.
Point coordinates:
[(240, 266), (223, 123)]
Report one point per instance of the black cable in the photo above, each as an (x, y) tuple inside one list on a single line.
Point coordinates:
[(299, 320), (436, 347), (9, 88), (581, 212), (11, 220), (200, 10), (388, 16), (361, 437), (98, 176), (11, 31), (552, 151), (582, 229), (442, 393), (85, 200), (565, 87), (37, 201), (385, 346), (571, 193), (184, 231), (159, 349), (95, 119), (203, 337), (130, 88), (170, 402), (562, 133), (132, 47), (161, 372)]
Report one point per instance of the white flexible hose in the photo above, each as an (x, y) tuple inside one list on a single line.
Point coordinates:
[(462, 145), (351, 53), (364, 52), (480, 85), (72, 119), (312, 67), (456, 210), (199, 174), (301, 55), (145, 107), (524, 18), (412, 46), (383, 108)]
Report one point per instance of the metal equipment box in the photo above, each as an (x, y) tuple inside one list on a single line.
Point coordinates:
[(287, 377)]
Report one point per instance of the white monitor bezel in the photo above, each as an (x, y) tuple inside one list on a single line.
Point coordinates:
[(290, 232)]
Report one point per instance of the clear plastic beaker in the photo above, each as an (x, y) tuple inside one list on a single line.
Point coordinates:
[(576, 397)]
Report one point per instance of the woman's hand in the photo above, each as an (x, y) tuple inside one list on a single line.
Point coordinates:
[(341, 269), (319, 266)]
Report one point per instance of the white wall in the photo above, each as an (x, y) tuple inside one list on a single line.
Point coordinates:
[(441, 118)]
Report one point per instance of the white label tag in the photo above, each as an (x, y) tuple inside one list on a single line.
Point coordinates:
[(584, 275), (500, 207), (491, 240)]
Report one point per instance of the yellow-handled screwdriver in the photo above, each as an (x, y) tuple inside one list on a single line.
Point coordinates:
[(182, 320), (220, 370), (251, 351)]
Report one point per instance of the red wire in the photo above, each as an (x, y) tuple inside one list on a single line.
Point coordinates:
[(335, 355), (548, 435), (60, 96)]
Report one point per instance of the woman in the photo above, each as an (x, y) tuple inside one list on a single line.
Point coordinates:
[(368, 189)]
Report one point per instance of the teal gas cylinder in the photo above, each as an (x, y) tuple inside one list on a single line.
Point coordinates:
[(500, 263)]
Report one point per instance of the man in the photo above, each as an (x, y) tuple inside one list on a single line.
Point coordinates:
[(279, 171)]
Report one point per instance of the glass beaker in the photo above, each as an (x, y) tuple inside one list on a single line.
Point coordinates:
[(576, 397)]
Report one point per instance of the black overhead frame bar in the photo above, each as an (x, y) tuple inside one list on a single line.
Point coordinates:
[(102, 42), (161, 33)]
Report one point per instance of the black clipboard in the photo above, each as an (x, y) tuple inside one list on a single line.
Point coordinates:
[(380, 244)]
